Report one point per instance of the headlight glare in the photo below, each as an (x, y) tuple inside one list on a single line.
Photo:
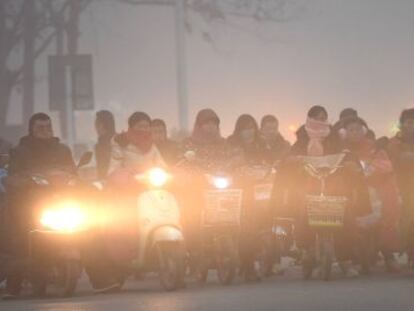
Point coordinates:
[(158, 177), (66, 217), (221, 182)]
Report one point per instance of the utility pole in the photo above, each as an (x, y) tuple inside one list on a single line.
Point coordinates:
[(60, 50), (72, 34), (181, 64), (29, 22), (4, 89)]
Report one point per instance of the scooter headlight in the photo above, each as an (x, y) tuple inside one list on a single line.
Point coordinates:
[(158, 177), (221, 182), (65, 217)]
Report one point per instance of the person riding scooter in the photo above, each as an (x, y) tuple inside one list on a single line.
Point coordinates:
[(132, 152), (316, 139), (210, 151), (135, 148), (246, 138), (38, 151), (384, 194)]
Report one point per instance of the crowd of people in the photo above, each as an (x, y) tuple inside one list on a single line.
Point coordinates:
[(377, 175)]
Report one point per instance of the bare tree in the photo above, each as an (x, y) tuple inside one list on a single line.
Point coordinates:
[(213, 11), (27, 29), (259, 10)]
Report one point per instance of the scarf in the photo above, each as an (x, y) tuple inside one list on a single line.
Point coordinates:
[(140, 139), (367, 151), (317, 132)]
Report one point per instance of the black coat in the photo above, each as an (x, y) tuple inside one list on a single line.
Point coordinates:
[(253, 154), (170, 151), (38, 155), (276, 150), (103, 155)]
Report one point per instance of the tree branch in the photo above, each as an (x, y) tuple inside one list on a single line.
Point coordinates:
[(148, 2), (17, 74)]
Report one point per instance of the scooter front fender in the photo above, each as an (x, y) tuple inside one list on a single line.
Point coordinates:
[(167, 234)]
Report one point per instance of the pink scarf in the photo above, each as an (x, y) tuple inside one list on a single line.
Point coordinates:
[(317, 132)]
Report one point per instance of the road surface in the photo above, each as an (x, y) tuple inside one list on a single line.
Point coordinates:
[(379, 292)]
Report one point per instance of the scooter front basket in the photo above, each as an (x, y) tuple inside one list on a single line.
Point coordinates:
[(222, 207), (326, 211)]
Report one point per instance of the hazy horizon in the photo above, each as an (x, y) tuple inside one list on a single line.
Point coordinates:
[(336, 53)]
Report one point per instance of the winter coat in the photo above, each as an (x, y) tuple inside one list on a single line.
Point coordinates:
[(103, 155), (384, 193), (253, 154), (128, 156), (401, 153), (37, 155), (170, 151), (276, 150)]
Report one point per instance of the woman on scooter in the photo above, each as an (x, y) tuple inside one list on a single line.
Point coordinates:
[(133, 152), (210, 148), (317, 139), (209, 152), (246, 139), (384, 193)]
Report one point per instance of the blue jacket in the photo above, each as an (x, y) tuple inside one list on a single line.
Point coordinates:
[(3, 175)]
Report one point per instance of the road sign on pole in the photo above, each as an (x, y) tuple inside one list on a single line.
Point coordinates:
[(70, 88), (81, 84)]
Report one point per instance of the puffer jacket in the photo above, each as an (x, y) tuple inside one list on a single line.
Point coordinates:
[(128, 156)]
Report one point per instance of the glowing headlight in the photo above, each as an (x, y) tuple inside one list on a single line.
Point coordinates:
[(158, 177), (67, 217), (221, 182)]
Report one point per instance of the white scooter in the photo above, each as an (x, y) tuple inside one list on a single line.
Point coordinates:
[(153, 216)]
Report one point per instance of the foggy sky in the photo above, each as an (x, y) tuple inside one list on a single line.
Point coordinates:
[(337, 53)]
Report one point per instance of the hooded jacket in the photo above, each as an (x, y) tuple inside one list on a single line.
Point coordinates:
[(210, 150)]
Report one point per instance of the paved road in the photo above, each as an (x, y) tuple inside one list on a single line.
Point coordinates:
[(379, 292)]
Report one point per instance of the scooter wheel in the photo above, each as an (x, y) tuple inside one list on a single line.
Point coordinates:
[(201, 275), (226, 258), (171, 261), (71, 272), (308, 264), (265, 259), (39, 283), (326, 260)]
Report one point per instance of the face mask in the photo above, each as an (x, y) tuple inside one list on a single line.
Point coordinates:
[(248, 135), (270, 135)]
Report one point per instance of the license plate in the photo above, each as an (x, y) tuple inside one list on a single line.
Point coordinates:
[(222, 207), (326, 211)]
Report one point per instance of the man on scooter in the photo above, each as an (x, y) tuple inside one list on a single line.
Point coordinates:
[(132, 152), (39, 151)]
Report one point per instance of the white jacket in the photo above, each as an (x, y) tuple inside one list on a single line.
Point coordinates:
[(132, 157)]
